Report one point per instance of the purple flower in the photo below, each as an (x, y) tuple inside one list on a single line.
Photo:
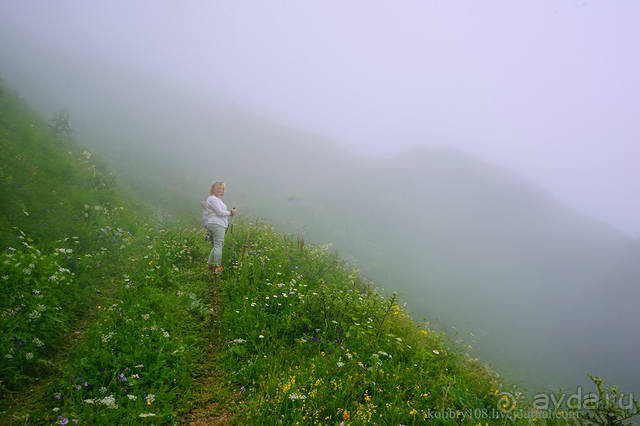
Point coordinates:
[(64, 421), (79, 387), (75, 421), (86, 384), (57, 396), (123, 378)]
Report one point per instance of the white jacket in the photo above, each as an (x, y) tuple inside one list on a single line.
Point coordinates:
[(217, 211)]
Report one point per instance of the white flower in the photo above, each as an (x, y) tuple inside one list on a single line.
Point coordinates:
[(295, 396), (29, 355), (89, 401), (109, 402), (56, 409), (140, 366), (132, 397), (38, 342), (150, 397), (239, 340), (349, 355), (107, 337), (165, 334), (261, 336), (340, 364), (436, 352), (147, 415), (103, 390)]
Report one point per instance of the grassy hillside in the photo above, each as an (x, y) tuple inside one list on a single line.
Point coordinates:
[(79, 263), (63, 230), (108, 316), (455, 224)]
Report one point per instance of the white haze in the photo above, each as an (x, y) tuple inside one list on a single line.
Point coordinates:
[(547, 88)]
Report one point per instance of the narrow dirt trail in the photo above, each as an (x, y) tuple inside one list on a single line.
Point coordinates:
[(213, 400)]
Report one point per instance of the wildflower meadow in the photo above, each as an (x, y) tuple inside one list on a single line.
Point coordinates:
[(108, 316)]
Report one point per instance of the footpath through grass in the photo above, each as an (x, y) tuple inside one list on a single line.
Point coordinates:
[(105, 316), (137, 361)]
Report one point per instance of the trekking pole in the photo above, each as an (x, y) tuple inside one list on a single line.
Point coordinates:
[(231, 224)]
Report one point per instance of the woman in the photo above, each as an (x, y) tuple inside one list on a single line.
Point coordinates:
[(216, 223)]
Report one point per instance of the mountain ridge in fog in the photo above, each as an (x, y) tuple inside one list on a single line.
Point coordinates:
[(454, 235)]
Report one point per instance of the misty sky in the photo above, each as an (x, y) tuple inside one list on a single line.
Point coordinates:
[(547, 88)]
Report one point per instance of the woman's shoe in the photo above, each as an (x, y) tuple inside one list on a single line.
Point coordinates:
[(218, 269), (209, 266)]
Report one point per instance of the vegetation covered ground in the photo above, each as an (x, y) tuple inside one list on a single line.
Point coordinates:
[(108, 316)]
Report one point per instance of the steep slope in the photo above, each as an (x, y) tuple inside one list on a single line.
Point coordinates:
[(90, 290), (410, 222), (302, 336)]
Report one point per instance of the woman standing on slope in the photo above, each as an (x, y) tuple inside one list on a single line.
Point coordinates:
[(216, 223)]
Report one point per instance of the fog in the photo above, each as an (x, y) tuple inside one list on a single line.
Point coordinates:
[(477, 157)]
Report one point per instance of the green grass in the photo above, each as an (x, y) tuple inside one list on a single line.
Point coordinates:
[(108, 316), (64, 229), (311, 341)]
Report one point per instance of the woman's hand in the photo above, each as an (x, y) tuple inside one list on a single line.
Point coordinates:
[(233, 211), (204, 204)]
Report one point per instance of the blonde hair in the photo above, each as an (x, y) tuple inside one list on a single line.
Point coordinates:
[(213, 187)]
